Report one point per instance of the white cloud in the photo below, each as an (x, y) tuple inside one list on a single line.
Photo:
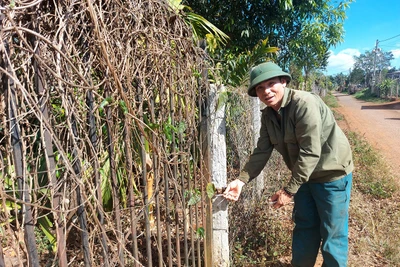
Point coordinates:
[(396, 53), (396, 61), (342, 61)]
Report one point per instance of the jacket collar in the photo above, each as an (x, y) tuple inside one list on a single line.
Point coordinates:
[(287, 96)]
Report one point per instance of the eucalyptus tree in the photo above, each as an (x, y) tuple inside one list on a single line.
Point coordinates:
[(365, 62), (373, 63), (382, 63)]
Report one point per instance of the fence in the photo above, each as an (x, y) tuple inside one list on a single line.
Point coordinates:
[(101, 153)]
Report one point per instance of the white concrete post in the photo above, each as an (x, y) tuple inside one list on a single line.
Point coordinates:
[(259, 180), (220, 241)]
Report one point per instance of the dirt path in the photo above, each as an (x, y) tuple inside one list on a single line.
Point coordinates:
[(378, 123)]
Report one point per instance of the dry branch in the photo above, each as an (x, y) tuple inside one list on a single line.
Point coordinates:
[(135, 61)]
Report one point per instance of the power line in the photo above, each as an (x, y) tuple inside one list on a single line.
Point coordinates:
[(390, 38), (390, 46), (375, 52)]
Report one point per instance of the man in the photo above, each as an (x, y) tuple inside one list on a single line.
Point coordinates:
[(303, 130)]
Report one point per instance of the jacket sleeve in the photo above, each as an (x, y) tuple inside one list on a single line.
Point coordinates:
[(308, 130), (259, 157)]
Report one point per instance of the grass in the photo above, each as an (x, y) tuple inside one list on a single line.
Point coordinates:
[(367, 96), (331, 101), (374, 210), (261, 236), (373, 176)]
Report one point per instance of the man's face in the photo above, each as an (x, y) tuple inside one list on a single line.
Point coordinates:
[(271, 92)]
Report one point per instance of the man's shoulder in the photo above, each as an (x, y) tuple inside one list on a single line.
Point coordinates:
[(302, 97), (300, 93)]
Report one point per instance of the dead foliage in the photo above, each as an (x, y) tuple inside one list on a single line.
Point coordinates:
[(90, 89)]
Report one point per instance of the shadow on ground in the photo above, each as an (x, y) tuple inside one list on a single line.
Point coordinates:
[(392, 105)]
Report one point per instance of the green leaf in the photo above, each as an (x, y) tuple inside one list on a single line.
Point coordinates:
[(105, 102), (106, 185), (181, 127), (10, 205), (46, 225), (202, 26), (169, 129), (200, 232), (123, 106), (211, 190), (195, 197)]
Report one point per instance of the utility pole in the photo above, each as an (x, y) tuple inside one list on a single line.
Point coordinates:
[(374, 77)]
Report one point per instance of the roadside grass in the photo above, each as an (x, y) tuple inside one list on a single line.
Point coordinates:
[(373, 175), (330, 100), (367, 96), (261, 235), (375, 206), (374, 209)]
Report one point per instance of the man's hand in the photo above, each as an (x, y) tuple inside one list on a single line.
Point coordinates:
[(233, 190), (281, 198)]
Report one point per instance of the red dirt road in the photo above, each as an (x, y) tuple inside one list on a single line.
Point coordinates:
[(378, 123)]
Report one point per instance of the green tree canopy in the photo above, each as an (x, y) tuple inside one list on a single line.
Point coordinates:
[(339, 80), (373, 63), (357, 76), (303, 30)]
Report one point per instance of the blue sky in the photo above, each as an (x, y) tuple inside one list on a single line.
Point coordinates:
[(367, 21)]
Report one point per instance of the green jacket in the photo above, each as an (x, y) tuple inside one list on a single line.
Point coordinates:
[(311, 143)]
